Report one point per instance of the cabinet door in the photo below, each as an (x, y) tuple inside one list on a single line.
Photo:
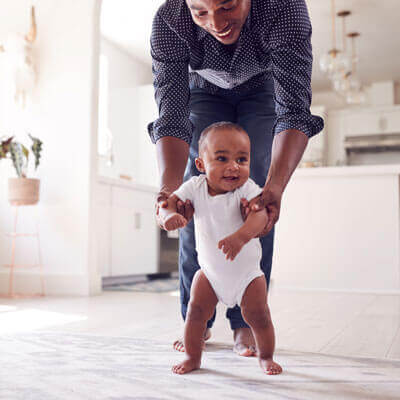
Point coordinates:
[(134, 233), (316, 148), (103, 229), (373, 122), (389, 121), (362, 123)]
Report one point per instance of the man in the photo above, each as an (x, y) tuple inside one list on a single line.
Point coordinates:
[(244, 61)]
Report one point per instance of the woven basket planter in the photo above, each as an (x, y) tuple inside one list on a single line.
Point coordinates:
[(23, 191)]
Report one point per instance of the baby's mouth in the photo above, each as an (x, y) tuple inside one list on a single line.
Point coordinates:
[(230, 178)]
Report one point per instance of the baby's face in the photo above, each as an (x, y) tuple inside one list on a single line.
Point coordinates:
[(225, 160)]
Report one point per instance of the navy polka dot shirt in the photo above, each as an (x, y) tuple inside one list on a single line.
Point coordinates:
[(274, 44)]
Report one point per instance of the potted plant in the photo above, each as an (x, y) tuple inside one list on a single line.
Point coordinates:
[(21, 190)]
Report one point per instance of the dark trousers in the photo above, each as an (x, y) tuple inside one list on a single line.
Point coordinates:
[(255, 112)]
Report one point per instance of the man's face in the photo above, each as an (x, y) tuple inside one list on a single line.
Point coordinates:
[(222, 19)]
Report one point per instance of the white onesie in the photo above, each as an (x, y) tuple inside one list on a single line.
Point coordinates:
[(216, 217)]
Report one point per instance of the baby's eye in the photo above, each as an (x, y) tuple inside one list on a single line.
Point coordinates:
[(242, 159), (221, 158), (202, 14)]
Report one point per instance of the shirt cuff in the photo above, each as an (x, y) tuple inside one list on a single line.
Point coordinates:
[(157, 133), (309, 124)]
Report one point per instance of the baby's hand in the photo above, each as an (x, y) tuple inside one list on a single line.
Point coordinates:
[(174, 221), (231, 245)]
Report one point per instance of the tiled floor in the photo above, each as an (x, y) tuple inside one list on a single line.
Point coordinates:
[(361, 325)]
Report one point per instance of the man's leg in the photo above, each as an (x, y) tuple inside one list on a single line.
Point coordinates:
[(205, 109), (256, 114)]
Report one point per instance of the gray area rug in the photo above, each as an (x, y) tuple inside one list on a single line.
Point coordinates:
[(155, 286), (49, 365)]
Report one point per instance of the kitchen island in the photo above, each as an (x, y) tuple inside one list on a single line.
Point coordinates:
[(339, 230)]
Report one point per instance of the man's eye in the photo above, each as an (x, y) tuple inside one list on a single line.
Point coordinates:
[(230, 6), (201, 15), (221, 158)]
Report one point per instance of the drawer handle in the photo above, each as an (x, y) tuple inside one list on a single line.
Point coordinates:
[(383, 124), (137, 220)]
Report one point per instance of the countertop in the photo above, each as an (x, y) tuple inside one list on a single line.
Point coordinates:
[(127, 183), (360, 170)]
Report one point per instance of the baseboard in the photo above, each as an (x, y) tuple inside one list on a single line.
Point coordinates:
[(388, 292), (54, 284)]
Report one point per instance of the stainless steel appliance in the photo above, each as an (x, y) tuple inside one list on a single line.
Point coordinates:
[(169, 249), (373, 149)]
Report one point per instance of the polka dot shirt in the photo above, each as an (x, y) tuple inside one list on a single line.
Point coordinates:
[(274, 44)]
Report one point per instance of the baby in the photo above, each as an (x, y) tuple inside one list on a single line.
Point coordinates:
[(228, 252)]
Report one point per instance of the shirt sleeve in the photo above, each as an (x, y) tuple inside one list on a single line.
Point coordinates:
[(291, 52), (249, 190), (170, 60), (186, 191)]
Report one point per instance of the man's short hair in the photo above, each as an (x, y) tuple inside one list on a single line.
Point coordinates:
[(215, 126)]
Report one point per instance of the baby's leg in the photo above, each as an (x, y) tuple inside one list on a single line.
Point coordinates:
[(201, 308), (256, 313)]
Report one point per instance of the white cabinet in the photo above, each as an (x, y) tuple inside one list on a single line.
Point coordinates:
[(358, 122), (315, 153), (134, 233), (373, 121), (103, 228), (127, 233)]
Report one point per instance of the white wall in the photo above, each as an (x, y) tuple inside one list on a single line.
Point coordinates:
[(62, 116), (125, 74)]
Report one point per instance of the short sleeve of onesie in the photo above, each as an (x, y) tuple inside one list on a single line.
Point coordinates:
[(187, 189), (249, 190)]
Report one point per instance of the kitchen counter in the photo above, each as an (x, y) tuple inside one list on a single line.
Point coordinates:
[(393, 169), (342, 232), (127, 183)]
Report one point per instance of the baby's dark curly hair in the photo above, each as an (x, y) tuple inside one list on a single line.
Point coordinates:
[(215, 126)]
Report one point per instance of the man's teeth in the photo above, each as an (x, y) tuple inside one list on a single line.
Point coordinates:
[(225, 34)]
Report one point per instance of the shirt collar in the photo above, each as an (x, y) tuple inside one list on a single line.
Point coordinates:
[(202, 33)]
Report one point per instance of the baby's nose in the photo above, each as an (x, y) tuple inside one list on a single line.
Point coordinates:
[(233, 166)]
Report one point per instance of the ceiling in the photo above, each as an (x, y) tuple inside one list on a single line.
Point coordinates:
[(127, 23)]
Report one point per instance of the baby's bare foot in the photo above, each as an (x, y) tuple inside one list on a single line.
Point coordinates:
[(270, 367), (186, 366), (174, 221), (179, 346)]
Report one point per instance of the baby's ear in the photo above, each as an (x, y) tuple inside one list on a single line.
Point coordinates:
[(199, 164)]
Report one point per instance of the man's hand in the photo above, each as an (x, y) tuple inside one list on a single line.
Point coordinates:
[(161, 201), (270, 198), (185, 209)]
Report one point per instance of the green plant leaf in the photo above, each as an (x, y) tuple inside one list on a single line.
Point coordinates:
[(36, 149), (17, 157), (5, 147)]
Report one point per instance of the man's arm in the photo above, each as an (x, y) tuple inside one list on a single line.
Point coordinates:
[(172, 130), (287, 149), (172, 156)]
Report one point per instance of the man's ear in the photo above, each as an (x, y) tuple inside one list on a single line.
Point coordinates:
[(199, 164)]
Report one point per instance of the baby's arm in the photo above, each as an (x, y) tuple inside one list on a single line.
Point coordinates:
[(169, 216), (253, 225)]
